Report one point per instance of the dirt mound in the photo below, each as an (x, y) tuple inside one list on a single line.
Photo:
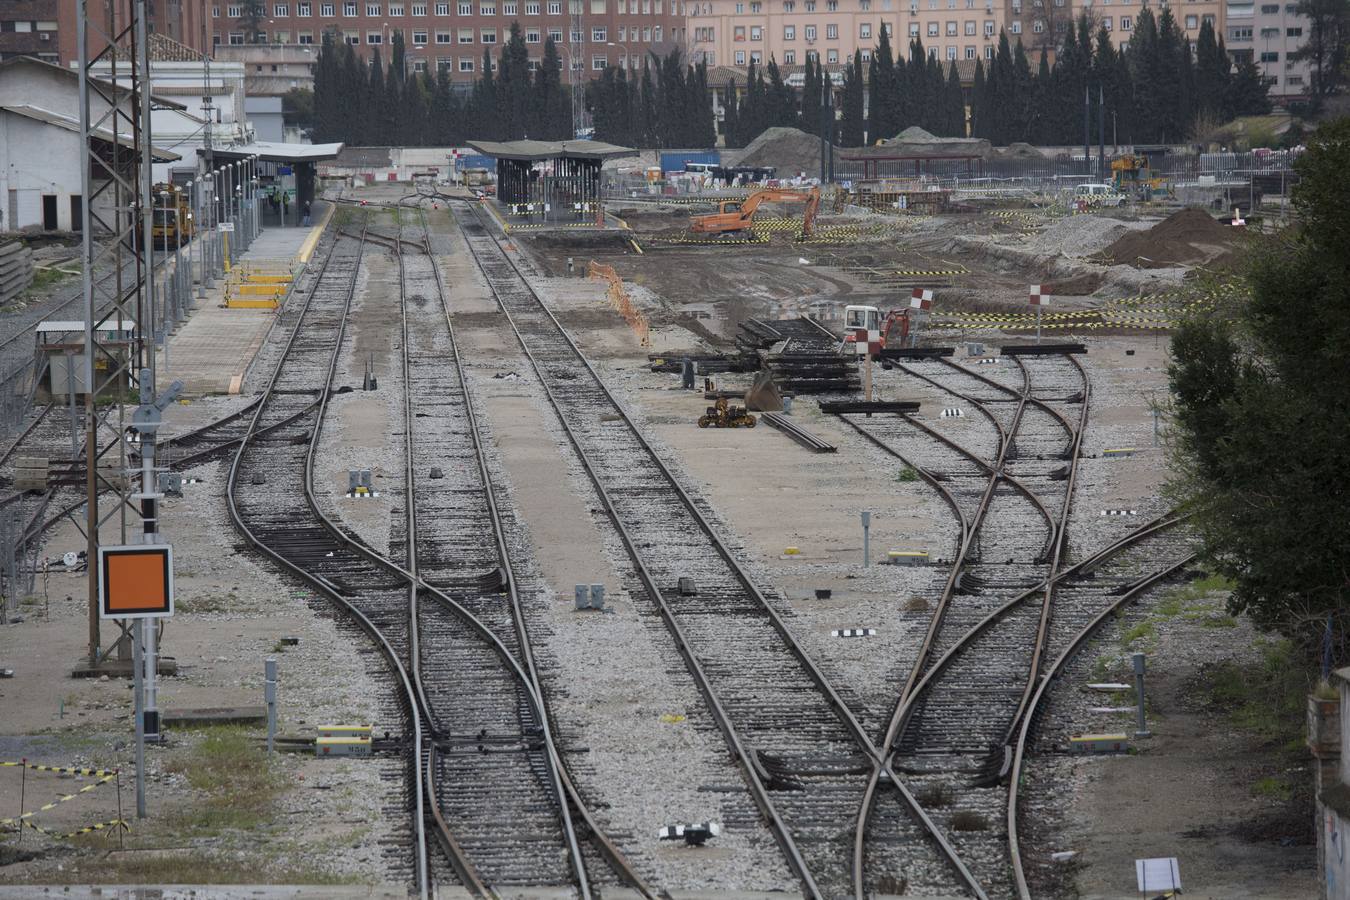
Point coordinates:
[(1079, 235), (1186, 238), (789, 150)]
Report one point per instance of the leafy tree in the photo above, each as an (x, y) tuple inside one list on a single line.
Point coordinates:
[(251, 17), (1261, 416), (1326, 46)]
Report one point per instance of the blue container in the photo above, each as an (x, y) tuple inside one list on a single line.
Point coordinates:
[(676, 160)]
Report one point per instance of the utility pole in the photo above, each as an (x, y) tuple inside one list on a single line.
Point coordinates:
[(1087, 119)]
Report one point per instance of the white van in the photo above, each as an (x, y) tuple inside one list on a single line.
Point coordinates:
[(1097, 195)]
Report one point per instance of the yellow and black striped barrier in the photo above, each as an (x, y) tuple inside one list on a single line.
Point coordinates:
[(88, 829), (59, 770)]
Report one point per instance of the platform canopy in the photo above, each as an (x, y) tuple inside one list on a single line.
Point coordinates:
[(273, 151), (523, 151)]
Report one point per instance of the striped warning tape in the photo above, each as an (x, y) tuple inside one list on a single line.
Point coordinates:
[(938, 273), (59, 770), (88, 829), (59, 800)]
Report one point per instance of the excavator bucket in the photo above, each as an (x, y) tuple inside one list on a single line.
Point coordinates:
[(763, 395)]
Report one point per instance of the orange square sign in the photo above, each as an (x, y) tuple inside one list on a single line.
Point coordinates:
[(135, 582)]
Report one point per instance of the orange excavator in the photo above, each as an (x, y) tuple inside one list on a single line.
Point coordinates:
[(734, 217)]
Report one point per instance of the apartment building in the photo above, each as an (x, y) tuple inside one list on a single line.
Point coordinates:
[(182, 21), (452, 34), (1119, 18), (29, 28), (1267, 33), (737, 32)]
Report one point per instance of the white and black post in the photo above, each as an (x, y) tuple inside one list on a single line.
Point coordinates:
[(1038, 299)]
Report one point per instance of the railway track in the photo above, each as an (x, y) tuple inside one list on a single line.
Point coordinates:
[(966, 708), (800, 747), (500, 783)]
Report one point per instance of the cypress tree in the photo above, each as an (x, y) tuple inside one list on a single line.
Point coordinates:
[(810, 118), (483, 116), (731, 121), (374, 127), (955, 103), (1023, 95), (884, 90), (979, 102), (1146, 69), (851, 125), (555, 107), (706, 133), (915, 71), (646, 118)]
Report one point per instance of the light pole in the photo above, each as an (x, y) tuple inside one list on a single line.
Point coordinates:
[(239, 216), (180, 270), (204, 272), (166, 295), (572, 86), (626, 56)]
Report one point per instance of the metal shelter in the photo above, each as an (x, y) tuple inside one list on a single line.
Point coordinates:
[(551, 181)]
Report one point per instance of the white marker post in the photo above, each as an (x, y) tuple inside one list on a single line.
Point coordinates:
[(1038, 299), (920, 302)]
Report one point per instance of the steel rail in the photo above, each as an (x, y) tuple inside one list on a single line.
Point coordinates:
[(392, 657), (23, 435), (757, 788), (613, 855), (899, 715), (1028, 721)]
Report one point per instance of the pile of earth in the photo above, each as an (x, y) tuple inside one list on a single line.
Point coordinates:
[(1079, 235), (1186, 238), (789, 150)]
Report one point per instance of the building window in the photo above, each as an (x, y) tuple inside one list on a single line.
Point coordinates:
[(1192, 22), (831, 32), (555, 35), (236, 37), (349, 9), (913, 29), (1240, 34), (809, 5), (489, 35), (865, 30), (866, 55), (509, 9), (755, 7), (738, 33), (810, 33), (215, 12), (555, 7), (970, 52), (326, 10), (1126, 23), (790, 57), (532, 36), (395, 9), (832, 5), (740, 57), (864, 5), (373, 10), (832, 56), (443, 37), (756, 33), (1038, 26), (465, 65), (598, 63), (304, 10), (1270, 57), (465, 36), (599, 35), (532, 8), (988, 28), (1017, 26), (1270, 9), (789, 6), (933, 29), (443, 9), (951, 29), (419, 9), (419, 38), (281, 11), (374, 37), (487, 9), (951, 53), (988, 51), (1293, 32), (234, 12), (304, 37), (789, 32), (656, 34)]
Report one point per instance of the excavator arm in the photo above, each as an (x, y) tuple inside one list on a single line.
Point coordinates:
[(719, 223)]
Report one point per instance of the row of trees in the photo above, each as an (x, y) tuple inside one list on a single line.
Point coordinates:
[(667, 105), (374, 105)]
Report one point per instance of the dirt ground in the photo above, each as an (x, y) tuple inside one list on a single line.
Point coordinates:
[(769, 494)]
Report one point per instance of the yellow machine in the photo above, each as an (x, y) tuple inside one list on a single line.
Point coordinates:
[(736, 216), (1132, 176), (168, 222), (724, 415)]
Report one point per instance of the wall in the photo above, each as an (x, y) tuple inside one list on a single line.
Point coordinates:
[(37, 159)]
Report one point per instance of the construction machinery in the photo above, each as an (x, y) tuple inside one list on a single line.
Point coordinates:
[(723, 415), (170, 218), (1132, 176), (735, 217), (893, 328)]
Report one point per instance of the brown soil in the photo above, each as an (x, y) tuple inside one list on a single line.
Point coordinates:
[(1189, 237)]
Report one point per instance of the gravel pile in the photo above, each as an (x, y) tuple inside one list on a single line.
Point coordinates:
[(1079, 235), (790, 150)]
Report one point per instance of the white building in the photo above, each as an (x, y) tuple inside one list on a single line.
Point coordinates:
[(41, 157), (178, 73)]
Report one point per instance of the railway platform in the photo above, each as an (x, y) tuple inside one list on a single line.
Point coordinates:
[(212, 349)]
